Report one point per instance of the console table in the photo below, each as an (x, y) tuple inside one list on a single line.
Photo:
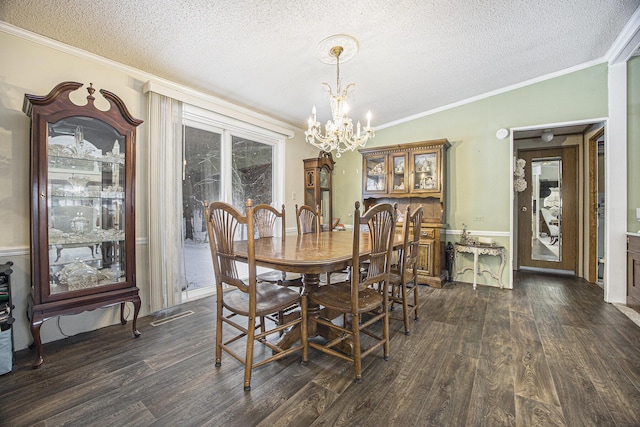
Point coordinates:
[(478, 250)]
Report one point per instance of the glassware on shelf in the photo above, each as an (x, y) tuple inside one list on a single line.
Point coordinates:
[(398, 165), (79, 183), (80, 224), (78, 275), (377, 169), (111, 274)]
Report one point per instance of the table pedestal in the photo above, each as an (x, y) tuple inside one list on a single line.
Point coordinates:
[(311, 282)]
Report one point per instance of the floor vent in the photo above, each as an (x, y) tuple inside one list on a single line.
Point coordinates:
[(172, 318)]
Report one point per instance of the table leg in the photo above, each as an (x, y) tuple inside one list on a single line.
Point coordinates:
[(460, 270), (503, 262), (475, 269), (310, 281)]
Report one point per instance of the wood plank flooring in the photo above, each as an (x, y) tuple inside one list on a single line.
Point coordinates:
[(549, 352)]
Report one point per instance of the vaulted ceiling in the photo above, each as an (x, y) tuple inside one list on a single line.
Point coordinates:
[(414, 56)]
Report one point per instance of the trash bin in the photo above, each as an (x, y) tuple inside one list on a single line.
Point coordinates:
[(6, 352)]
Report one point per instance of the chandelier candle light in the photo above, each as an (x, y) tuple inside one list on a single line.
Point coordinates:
[(338, 132)]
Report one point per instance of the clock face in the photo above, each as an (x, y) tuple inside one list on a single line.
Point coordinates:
[(502, 133)]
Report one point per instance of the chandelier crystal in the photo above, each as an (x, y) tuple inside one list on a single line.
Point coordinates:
[(339, 134)]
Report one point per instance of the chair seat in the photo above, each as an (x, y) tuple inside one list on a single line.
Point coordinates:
[(338, 296), (270, 298), (394, 275)]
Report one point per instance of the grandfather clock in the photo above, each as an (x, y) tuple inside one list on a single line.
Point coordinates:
[(318, 188)]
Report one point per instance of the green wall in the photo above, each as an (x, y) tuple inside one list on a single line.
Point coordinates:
[(478, 164)]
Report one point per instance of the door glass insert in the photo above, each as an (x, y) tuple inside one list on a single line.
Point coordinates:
[(546, 206)]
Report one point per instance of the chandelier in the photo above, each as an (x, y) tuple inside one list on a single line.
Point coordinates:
[(339, 135)]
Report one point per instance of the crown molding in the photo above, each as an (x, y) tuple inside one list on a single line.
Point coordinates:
[(495, 92), (626, 44)]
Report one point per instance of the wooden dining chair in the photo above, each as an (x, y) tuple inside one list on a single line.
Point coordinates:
[(251, 299), (308, 219), (403, 277), (357, 297), (266, 217)]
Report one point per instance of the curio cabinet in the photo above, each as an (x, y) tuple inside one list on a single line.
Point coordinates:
[(82, 206)]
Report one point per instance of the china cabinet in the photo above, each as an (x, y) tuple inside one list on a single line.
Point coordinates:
[(412, 174), (318, 187), (82, 206)]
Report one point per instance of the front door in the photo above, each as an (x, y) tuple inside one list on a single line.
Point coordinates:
[(548, 210)]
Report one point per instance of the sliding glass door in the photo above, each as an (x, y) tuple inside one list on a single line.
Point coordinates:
[(251, 172), (219, 165)]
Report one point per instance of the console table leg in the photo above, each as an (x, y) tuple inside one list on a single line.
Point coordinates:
[(503, 262), (475, 269)]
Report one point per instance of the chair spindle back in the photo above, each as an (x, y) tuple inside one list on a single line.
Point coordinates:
[(308, 219), (380, 219), (224, 225)]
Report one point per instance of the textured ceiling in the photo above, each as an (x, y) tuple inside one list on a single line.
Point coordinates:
[(414, 55)]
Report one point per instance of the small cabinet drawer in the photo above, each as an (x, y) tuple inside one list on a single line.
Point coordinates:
[(427, 234)]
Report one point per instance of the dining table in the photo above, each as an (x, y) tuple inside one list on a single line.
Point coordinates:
[(310, 255)]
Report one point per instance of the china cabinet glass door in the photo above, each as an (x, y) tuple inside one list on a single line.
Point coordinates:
[(398, 175), (86, 219), (375, 174), (426, 174)]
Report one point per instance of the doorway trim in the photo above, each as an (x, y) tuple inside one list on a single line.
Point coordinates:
[(592, 214), (513, 221)]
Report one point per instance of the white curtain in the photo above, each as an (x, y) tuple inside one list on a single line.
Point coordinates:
[(165, 201)]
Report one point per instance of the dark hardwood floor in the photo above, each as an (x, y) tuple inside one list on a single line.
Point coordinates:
[(548, 353)]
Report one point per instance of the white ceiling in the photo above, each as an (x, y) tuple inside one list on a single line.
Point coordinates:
[(414, 55)]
